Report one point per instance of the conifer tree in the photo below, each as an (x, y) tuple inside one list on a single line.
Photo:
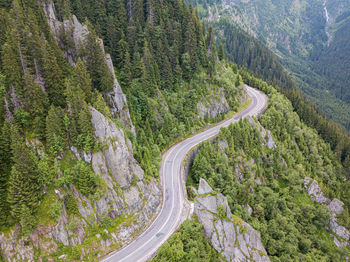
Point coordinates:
[(23, 184), (75, 98), (82, 80), (35, 102), (26, 220), (53, 75), (55, 132), (11, 64), (95, 62), (5, 166), (137, 66), (85, 127), (151, 77), (83, 178), (221, 52), (100, 105)]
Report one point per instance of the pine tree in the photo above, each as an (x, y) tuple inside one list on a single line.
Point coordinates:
[(137, 66), (97, 67), (151, 76), (26, 220), (53, 75), (221, 52), (23, 184), (5, 166), (83, 178), (82, 80), (11, 64), (55, 132), (35, 102), (85, 127), (75, 98), (100, 105), (123, 63)]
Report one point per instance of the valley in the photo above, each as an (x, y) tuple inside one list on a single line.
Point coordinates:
[(164, 130)]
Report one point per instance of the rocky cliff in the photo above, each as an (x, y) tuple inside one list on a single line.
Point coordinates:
[(214, 105), (70, 35), (229, 235), (126, 197), (339, 233)]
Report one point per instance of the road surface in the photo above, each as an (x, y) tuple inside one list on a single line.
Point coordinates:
[(173, 210)]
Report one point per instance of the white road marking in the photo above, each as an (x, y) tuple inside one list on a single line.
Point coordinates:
[(175, 173)]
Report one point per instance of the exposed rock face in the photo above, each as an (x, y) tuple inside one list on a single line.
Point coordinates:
[(214, 106), (229, 235), (265, 134), (116, 98), (315, 191), (127, 191), (73, 30), (126, 194), (118, 157), (81, 155), (339, 233)]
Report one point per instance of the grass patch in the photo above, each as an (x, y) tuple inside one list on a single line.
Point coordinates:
[(44, 215)]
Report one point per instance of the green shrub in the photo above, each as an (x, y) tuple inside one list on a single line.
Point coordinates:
[(55, 210), (221, 211), (71, 204)]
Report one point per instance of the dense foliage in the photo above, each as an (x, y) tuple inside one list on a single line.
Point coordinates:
[(312, 48), (187, 244), (165, 62), (329, 131), (291, 225)]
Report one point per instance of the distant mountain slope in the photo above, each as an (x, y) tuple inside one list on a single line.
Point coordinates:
[(307, 36)]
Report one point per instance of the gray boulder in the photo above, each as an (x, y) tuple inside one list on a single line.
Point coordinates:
[(340, 234), (269, 142), (204, 187), (228, 234), (315, 191)]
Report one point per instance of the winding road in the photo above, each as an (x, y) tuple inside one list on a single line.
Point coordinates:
[(175, 207)]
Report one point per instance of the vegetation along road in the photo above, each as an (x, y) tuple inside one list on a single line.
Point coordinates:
[(173, 210)]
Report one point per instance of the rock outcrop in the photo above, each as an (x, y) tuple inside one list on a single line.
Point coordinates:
[(340, 234), (73, 30), (214, 106), (126, 195), (228, 234), (265, 134)]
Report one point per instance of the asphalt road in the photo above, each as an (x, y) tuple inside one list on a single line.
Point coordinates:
[(173, 210)]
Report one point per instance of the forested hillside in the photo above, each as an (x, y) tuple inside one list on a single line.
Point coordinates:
[(66, 123), (253, 56), (91, 94), (264, 167), (270, 181), (308, 38)]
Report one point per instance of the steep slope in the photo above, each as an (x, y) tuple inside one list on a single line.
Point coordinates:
[(230, 236), (303, 36), (75, 233), (79, 159), (264, 183)]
